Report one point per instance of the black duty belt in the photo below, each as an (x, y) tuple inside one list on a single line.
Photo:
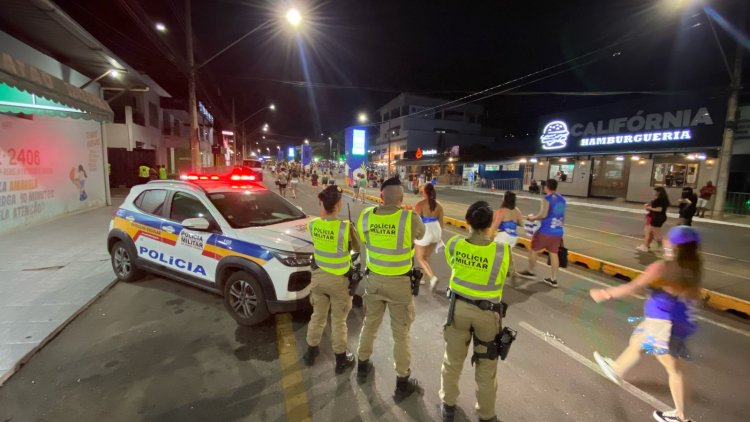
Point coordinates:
[(484, 305)]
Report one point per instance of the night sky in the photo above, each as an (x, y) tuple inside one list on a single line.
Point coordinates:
[(361, 53)]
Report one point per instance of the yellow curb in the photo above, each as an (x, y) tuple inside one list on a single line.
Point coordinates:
[(292, 382), (583, 260)]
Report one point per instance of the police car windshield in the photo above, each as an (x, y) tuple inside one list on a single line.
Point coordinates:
[(254, 208)]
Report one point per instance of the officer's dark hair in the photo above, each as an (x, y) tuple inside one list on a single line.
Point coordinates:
[(330, 196), (479, 215), (393, 181)]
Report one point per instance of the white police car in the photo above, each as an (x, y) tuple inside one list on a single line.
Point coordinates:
[(232, 237)]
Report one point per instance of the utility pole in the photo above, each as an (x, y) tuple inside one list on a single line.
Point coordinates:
[(195, 142), (729, 128)]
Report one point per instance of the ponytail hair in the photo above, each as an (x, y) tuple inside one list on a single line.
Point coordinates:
[(429, 189)]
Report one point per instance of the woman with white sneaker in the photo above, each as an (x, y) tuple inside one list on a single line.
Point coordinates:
[(431, 212), (674, 284)]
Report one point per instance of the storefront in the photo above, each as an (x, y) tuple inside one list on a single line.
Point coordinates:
[(52, 159), (430, 163), (626, 149)]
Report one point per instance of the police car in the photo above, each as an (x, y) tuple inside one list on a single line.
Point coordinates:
[(230, 236)]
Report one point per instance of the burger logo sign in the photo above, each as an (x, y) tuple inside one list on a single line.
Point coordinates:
[(555, 135)]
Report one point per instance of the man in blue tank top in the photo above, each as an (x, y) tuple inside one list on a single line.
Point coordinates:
[(549, 236)]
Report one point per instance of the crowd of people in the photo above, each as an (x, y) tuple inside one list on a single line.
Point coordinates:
[(400, 243)]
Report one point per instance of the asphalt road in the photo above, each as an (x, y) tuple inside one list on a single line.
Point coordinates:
[(157, 350), (613, 236)]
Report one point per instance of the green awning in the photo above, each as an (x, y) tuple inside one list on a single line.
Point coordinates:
[(29, 90)]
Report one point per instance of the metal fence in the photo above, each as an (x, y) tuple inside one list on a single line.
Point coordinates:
[(737, 203), (499, 184)]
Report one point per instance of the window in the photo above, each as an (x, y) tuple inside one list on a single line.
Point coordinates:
[(561, 171), (457, 116), (395, 131), (250, 209), (151, 201), (187, 206), (674, 172), (153, 115), (396, 112)]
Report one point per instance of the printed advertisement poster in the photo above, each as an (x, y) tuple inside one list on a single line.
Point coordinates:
[(356, 157), (48, 167)]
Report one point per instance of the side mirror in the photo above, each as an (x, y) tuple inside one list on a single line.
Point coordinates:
[(199, 224)]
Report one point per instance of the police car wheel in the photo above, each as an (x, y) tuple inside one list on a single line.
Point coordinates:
[(123, 263), (244, 299)]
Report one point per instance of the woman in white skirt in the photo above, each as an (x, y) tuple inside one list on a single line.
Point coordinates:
[(431, 212), (508, 220), (294, 181)]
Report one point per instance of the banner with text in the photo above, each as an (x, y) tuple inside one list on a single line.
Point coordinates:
[(48, 167)]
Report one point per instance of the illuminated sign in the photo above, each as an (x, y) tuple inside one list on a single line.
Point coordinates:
[(492, 167), (290, 152), (555, 135), (668, 136), (204, 112), (358, 142), (429, 152)]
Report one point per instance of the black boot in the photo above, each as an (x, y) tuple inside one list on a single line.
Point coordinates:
[(448, 412), (344, 361), (364, 367), (405, 386), (310, 355), (492, 419)]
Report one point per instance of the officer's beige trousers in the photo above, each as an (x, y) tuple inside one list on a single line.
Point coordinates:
[(457, 338), (395, 293), (329, 292)]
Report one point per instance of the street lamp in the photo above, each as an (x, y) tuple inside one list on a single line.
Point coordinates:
[(306, 141), (272, 107), (160, 27), (362, 118), (294, 17)]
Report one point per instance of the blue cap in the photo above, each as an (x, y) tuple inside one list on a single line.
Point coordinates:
[(680, 235)]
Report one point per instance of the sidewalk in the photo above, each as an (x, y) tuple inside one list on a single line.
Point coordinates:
[(612, 205), (48, 273)]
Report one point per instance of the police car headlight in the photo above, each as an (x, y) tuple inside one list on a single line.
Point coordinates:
[(293, 259)]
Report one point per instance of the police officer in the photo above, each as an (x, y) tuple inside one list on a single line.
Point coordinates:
[(479, 267), (162, 172), (388, 233), (332, 240), (144, 173)]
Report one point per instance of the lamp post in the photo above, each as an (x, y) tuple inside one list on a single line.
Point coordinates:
[(293, 17)]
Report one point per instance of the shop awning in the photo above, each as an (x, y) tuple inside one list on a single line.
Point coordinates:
[(424, 162), (29, 90)]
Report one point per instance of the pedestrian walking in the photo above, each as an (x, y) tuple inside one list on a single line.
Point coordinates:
[(655, 219), (314, 181), (477, 314), (674, 286), (294, 181), (362, 182), (333, 240), (688, 206), (706, 193), (550, 233), (507, 220), (431, 213), (331, 179), (388, 232), (281, 181)]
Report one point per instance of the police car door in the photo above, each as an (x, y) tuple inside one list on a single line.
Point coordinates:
[(144, 222), (188, 246)]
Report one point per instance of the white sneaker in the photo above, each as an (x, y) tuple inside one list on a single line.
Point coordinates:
[(606, 366), (669, 416), (643, 248), (421, 281), (433, 282)]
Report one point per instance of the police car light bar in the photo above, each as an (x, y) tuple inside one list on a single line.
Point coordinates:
[(191, 177), (236, 177)]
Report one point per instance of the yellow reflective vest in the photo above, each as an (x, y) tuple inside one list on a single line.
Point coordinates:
[(143, 171), (331, 242), (387, 239), (163, 173), (478, 272)]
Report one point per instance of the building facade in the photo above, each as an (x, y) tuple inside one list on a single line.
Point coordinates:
[(627, 149)]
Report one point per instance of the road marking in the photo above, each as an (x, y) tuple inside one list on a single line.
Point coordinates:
[(630, 388), (292, 383), (735, 330)]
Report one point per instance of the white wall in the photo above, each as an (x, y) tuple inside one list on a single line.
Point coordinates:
[(117, 135), (48, 183)]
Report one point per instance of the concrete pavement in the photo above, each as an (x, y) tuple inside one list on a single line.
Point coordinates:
[(159, 350)]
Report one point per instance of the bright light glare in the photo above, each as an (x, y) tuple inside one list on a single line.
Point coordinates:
[(114, 74), (362, 117), (306, 141), (272, 107), (161, 27), (294, 17)]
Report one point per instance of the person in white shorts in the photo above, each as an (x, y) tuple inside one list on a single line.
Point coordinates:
[(431, 213), (508, 220), (294, 180)]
